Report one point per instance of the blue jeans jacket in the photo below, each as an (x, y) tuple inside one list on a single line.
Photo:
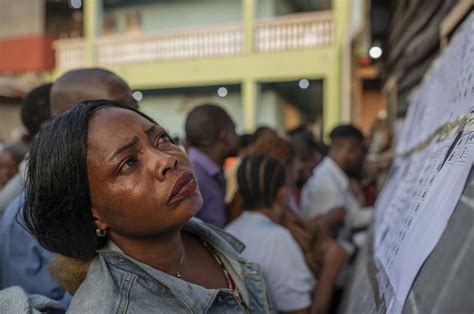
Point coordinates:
[(117, 283)]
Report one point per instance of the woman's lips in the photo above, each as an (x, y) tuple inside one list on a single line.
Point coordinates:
[(184, 186)]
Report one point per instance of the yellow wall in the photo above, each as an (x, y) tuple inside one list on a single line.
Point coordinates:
[(247, 69)]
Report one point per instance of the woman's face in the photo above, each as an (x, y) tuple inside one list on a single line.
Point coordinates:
[(141, 184)]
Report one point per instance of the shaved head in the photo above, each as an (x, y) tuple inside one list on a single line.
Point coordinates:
[(204, 123), (77, 86)]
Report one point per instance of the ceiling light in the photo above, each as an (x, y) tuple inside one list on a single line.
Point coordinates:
[(303, 83), (375, 52), (222, 92)]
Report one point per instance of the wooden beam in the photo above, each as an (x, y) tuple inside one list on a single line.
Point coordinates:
[(453, 19)]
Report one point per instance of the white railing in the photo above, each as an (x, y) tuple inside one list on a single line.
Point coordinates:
[(202, 43), (70, 53), (297, 31)]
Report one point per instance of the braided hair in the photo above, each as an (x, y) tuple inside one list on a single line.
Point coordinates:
[(260, 177)]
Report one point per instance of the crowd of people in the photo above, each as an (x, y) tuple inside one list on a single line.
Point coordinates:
[(102, 211)]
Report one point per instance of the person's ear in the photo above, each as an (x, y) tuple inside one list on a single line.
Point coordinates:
[(99, 222)]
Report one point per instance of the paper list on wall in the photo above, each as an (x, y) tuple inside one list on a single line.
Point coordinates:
[(413, 216), (447, 92), (434, 158)]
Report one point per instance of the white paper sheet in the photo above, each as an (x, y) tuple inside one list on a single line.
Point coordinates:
[(447, 93), (413, 214), (424, 186)]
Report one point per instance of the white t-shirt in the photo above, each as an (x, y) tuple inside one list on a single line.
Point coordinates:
[(288, 278), (328, 188)]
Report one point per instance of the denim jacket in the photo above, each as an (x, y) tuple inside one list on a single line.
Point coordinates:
[(117, 283)]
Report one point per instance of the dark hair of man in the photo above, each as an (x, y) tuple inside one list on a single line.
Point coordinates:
[(259, 178), (245, 140), (57, 209), (259, 132), (204, 124), (35, 108), (346, 131), (301, 129)]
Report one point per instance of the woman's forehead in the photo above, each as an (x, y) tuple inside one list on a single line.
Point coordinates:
[(113, 119), (111, 128)]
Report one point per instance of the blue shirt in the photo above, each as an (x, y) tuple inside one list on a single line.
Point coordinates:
[(24, 262), (212, 185)]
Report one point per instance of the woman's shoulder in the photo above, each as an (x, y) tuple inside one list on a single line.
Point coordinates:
[(100, 290)]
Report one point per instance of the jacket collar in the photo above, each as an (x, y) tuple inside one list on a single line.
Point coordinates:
[(198, 298)]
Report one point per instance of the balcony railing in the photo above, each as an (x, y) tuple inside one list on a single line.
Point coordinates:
[(222, 41), (70, 53), (297, 31)]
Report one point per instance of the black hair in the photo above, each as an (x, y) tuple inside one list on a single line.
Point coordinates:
[(35, 109), (245, 140), (259, 178), (204, 123), (57, 209), (346, 131), (301, 129), (259, 132)]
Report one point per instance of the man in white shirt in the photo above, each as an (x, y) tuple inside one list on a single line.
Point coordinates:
[(327, 195)]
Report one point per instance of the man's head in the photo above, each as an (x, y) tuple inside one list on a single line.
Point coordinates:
[(262, 133), (310, 152), (77, 86), (209, 127), (348, 149), (35, 109)]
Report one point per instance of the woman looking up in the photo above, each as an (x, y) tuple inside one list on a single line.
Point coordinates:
[(105, 182)]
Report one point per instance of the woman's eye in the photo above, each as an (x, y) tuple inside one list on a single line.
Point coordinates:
[(128, 164), (163, 139)]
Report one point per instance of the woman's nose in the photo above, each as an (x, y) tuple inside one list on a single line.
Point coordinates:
[(164, 163)]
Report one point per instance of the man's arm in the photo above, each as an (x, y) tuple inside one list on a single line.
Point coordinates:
[(334, 260), (333, 220)]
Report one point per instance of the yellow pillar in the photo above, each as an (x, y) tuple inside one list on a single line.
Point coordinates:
[(249, 85), (333, 87), (92, 15), (248, 13), (331, 103), (249, 99)]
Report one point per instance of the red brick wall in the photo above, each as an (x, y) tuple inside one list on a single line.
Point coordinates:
[(30, 53)]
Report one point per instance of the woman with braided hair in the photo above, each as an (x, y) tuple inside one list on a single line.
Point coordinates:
[(293, 287)]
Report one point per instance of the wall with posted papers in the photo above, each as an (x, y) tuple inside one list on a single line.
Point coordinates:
[(419, 257)]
